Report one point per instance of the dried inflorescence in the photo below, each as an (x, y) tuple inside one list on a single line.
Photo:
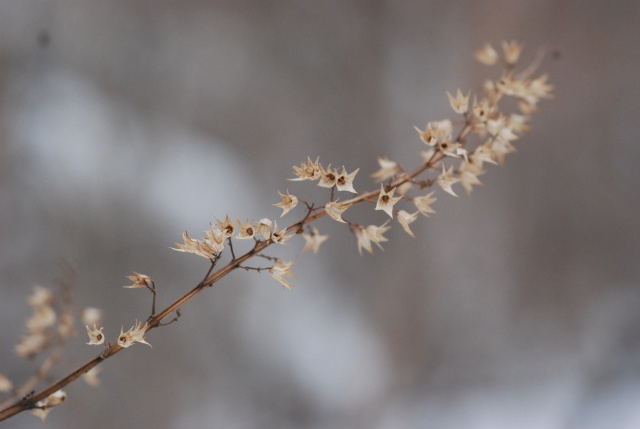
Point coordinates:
[(456, 153)]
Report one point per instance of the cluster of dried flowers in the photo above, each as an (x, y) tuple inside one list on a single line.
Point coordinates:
[(456, 153)]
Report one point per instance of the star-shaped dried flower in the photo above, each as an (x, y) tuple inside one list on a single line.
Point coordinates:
[(423, 204), (307, 170), (288, 202), (386, 201), (133, 335), (500, 148), (405, 218), (335, 210), (278, 236), (387, 169), (328, 177), (364, 242), (484, 153), (282, 269), (429, 136), (228, 228), (42, 408), (96, 337), (459, 104), (512, 51), (344, 182), (481, 110), (139, 281), (196, 247), (247, 231), (446, 179), (313, 240), (214, 237), (469, 172), (487, 55), (371, 234)]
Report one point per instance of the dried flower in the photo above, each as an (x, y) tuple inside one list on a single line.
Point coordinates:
[(228, 228), (335, 210), (43, 407), (43, 317), (328, 177), (282, 269), (459, 104), (264, 228), (313, 240), (214, 237), (512, 51), (5, 384), (386, 201), (91, 316), (469, 172), (423, 204), (345, 181), (95, 336), (487, 55), (405, 218), (288, 202), (246, 231), (307, 171), (133, 335), (41, 297), (446, 179), (387, 169), (139, 281), (30, 345), (197, 247), (278, 236), (91, 376)]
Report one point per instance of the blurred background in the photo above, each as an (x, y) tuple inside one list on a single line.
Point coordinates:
[(123, 123)]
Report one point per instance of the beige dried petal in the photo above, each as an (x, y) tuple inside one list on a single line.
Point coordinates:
[(96, 337), (386, 201), (139, 281), (43, 407), (423, 204), (91, 316), (335, 209), (91, 377), (405, 218), (313, 240), (282, 269), (387, 169), (446, 180), (487, 55), (278, 236), (264, 228), (344, 182), (41, 297), (288, 202), (512, 51), (307, 170), (328, 177), (227, 227), (459, 104), (247, 231)]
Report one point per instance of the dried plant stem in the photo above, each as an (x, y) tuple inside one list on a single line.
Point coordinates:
[(156, 320)]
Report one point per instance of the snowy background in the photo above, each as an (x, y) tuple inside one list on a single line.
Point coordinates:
[(122, 123)]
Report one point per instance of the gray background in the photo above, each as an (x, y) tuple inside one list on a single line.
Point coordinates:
[(122, 123)]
